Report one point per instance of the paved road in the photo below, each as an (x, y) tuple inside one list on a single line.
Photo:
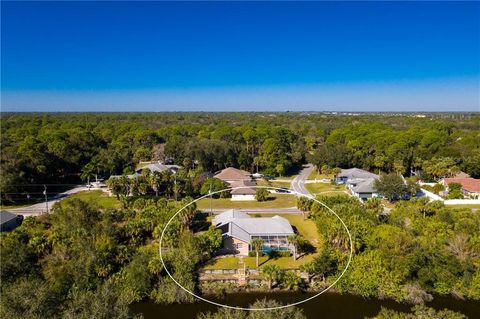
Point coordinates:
[(289, 210), (40, 208), (298, 183)]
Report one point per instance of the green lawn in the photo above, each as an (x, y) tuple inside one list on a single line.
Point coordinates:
[(316, 175), (262, 182), (316, 188), (277, 201), (228, 262), (98, 197), (306, 228)]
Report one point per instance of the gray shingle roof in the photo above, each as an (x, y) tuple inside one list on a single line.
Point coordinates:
[(227, 216), (356, 173), (245, 188), (365, 186), (242, 226)]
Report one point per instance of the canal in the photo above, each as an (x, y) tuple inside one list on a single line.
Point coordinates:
[(328, 305)]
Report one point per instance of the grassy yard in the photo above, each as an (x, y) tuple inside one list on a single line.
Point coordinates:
[(316, 188), (276, 201), (316, 175), (262, 182), (306, 228), (98, 197)]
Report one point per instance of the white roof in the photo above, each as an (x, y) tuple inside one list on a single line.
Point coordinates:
[(243, 226), (356, 173), (229, 215)]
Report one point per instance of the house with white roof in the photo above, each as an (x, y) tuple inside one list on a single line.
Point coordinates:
[(239, 229), (361, 183)]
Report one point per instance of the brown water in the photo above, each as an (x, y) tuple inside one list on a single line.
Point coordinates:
[(328, 305)]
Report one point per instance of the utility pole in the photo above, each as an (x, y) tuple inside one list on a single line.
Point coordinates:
[(210, 193), (46, 198), (175, 185)]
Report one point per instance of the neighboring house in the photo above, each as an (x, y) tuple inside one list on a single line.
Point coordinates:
[(461, 175), (153, 167), (361, 183), (245, 192), (238, 178), (156, 167), (470, 186), (231, 175), (9, 221), (239, 229)]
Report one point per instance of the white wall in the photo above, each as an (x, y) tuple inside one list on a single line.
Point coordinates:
[(243, 197)]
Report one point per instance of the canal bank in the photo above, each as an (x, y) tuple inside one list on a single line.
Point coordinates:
[(325, 306)]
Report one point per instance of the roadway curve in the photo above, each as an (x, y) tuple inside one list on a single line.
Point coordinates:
[(298, 183)]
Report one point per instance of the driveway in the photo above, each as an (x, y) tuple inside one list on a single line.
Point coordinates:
[(40, 208), (298, 183)]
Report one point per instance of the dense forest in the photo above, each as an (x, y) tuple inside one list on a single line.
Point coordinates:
[(62, 149), (75, 261)]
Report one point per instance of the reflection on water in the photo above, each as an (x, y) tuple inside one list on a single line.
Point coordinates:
[(328, 305)]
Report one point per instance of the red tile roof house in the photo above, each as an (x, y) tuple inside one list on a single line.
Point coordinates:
[(238, 178), (470, 186)]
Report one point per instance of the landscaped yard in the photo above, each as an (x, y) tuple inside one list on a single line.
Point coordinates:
[(98, 197), (306, 228), (276, 201), (324, 188)]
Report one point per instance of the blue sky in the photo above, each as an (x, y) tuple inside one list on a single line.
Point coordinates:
[(219, 56)]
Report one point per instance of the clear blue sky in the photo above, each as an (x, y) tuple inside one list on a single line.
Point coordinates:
[(167, 56)]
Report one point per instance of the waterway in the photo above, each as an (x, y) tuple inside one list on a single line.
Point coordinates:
[(328, 305)]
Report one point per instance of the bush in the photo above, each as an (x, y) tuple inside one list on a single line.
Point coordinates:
[(261, 194)]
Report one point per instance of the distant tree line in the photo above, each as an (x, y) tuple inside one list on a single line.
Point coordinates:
[(53, 149)]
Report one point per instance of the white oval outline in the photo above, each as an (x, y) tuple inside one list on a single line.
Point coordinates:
[(257, 309)]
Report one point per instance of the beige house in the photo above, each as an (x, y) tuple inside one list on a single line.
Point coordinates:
[(239, 179), (239, 229)]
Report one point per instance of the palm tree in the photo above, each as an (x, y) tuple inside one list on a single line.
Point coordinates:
[(87, 171), (293, 240), (154, 180), (291, 280), (257, 245), (271, 274)]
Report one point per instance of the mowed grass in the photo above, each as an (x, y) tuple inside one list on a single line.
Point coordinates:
[(306, 228), (276, 201), (99, 198), (324, 188), (316, 175), (262, 182)]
